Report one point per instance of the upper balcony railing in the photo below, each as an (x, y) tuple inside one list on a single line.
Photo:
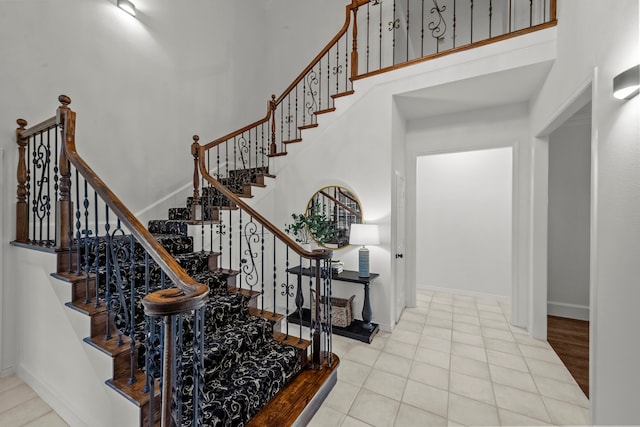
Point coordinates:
[(377, 36)]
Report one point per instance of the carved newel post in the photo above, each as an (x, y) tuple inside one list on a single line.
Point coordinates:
[(272, 106), (66, 122), (195, 152), (22, 209)]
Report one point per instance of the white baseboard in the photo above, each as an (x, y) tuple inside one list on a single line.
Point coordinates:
[(60, 406), (571, 311), (502, 298)]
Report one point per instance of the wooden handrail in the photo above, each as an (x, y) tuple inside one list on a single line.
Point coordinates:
[(354, 4), (285, 238), (190, 294), (275, 101)]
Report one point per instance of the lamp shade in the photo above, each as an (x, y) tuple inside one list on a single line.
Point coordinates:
[(364, 234), (626, 85)]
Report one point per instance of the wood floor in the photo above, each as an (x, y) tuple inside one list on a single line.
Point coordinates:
[(570, 340)]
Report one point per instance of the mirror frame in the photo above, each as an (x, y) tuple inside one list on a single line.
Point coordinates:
[(344, 209)]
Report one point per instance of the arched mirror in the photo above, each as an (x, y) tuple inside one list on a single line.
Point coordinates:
[(338, 208)]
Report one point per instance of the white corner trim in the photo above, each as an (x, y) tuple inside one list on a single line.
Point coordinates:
[(571, 311)]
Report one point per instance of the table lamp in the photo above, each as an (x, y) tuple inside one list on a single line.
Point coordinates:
[(364, 234)]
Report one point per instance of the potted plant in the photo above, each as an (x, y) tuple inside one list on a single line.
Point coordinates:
[(313, 226)]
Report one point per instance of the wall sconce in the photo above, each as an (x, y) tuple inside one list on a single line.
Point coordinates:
[(364, 234), (127, 6), (626, 85)]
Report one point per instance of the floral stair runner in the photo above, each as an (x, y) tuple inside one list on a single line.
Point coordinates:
[(244, 367)]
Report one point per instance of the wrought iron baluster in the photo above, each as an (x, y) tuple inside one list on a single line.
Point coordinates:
[(198, 367), (286, 291), (87, 235), (275, 273), (241, 260), (455, 35), (48, 174), (406, 56), (96, 249), (78, 215), (530, 13), (132, 314), (471, 24), (262, 261), (490, 16), (107, 284), (56, 185)]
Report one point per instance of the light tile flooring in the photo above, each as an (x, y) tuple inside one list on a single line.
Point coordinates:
[(21, 406), (453, 360)]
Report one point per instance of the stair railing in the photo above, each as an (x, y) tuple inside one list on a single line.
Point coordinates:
[(263, 258), (377, 36), (112, 261)]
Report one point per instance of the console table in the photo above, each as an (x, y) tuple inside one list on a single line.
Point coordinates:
[(362, 330)]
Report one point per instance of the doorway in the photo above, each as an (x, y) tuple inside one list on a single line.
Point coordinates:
[(464, 221), (568, 243)]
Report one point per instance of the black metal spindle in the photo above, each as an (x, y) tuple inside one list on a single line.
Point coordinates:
[(107, 236), (530, 13), (56, 185), (96, 249), (78, 224), (132, 312), (455, 35), (471, 24), (490, 16), (286, 292), (262, 261), (48, 198), (87, 234)]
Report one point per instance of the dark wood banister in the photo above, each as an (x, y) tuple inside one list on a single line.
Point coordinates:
[(355, 4), (285, 238), (190, 294)]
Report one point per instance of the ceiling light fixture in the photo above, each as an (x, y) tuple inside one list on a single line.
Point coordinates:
[(626, 85), (127, 6)]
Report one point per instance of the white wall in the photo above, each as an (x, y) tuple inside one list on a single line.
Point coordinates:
[(586, 55), (505, 126), (569, 219), (463, 221)]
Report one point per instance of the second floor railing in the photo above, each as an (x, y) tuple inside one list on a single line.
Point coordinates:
[(377, 36)]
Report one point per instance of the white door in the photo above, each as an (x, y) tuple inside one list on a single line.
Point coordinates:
[(400, 246)]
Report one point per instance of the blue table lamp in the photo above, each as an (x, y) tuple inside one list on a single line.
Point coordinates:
[(364, 234)]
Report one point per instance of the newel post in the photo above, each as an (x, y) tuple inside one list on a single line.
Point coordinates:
[(272, 106), (354, 42), (195, 152), (22, 210), (66, 121)]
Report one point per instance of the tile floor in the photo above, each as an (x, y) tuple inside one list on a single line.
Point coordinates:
[(21, 406), (453, 360)]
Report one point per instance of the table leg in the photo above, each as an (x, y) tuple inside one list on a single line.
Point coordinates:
[(366, 309)]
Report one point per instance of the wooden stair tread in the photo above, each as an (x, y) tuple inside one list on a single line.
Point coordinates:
[(133, 392), (242, 291), (109, 347), (282, 153), (266, 314), (72, 277), (299, 343), (88, 309), (288, 404), (309, 126), (326, 110), (339, 95), (292, 141)]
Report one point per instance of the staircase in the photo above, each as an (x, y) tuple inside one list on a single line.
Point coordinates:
[(199, 337)]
